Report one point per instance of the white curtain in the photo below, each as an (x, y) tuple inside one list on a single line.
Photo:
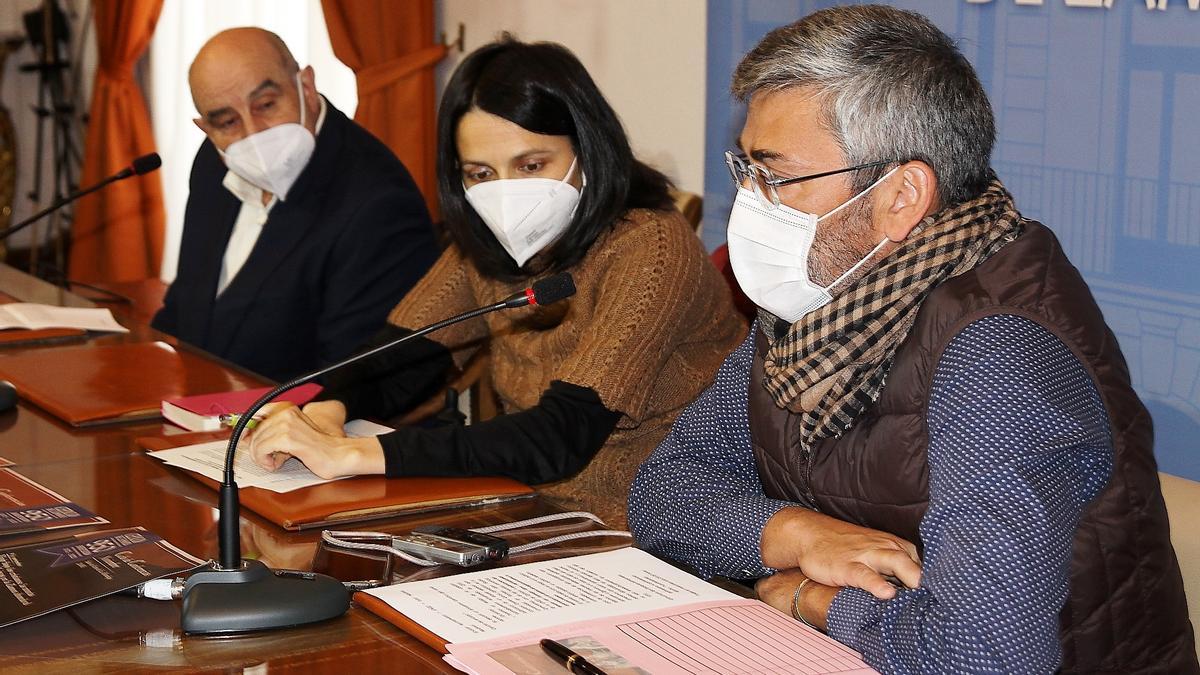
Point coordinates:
[(183, 27)]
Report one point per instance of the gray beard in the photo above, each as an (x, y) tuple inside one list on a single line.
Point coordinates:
[(841, 242)]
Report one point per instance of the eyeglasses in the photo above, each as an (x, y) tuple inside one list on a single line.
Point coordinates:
[(766, 183)]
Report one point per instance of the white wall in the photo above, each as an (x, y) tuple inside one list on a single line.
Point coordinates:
[(647, 56)]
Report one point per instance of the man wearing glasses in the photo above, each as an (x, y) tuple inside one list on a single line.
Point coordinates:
[(928, 445)]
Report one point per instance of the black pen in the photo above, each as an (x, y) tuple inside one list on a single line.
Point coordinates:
[(573, 662)]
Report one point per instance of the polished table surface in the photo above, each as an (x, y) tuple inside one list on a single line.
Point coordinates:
[(104, 470)]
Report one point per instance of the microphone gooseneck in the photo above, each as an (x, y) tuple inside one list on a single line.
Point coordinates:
[(228, 534), (267, 606), (141, 165)]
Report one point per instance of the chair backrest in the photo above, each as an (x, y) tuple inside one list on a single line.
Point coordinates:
[(720, 260), (1183, 508)]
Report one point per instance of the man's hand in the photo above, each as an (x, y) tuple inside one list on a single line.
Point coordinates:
[(836, 553), (779, 589), (286, 432)]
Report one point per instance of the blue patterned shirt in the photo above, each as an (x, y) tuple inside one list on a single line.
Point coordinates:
[(1019, 444)]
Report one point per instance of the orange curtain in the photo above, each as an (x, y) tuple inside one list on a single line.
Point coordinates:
[(389, 46), (118, 231)]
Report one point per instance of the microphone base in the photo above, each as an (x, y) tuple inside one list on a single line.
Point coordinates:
[(253, 598)]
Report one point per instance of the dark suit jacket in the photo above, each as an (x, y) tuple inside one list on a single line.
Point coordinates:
[(350, 240)]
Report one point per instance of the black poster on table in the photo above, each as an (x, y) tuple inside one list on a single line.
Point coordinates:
[(39, 578)]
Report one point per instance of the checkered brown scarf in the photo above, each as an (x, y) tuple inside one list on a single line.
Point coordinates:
[(831, 364)]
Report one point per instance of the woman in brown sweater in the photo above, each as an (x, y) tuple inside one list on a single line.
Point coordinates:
[(536, 177)]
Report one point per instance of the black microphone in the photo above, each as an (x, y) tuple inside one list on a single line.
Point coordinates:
[(141, 165), (543, 292), (238, 595)]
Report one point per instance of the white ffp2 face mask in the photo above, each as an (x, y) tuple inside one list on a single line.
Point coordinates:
[(525, 214), (273, 159), (769, 249)]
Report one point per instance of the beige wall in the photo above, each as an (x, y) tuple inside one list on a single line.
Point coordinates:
[(647, 56), (1183, 507)]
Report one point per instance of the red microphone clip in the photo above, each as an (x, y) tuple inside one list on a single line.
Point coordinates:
[(531, 295)]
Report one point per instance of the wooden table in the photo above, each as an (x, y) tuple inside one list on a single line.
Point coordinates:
[(102, 469)]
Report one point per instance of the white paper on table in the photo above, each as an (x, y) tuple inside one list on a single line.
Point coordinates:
[(208, 460), (35, 316), (364, 428), (507, 600)]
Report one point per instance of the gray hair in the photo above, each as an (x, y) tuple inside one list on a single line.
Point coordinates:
[(890, 86)]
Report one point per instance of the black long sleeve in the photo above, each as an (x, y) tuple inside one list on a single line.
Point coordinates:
[(551, 441), (392, 382)]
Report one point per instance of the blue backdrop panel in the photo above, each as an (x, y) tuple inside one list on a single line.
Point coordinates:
[(1098, 114)]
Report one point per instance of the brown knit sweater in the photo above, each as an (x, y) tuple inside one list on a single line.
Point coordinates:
[(651, 322)]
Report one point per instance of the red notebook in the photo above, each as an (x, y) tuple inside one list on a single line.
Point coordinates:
[(201, 413)]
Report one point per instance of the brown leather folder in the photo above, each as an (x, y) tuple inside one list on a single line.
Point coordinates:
[(356, 499), (400, 620), (98, 384)]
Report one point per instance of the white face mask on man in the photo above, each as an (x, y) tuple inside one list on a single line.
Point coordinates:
[(526, 214), (769, 250), (273, 159)]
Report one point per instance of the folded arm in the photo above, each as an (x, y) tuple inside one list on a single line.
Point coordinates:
[(1019, 445)]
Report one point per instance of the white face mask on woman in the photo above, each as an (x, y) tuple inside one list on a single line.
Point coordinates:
[(525, 214), (769, 249), (273, 159)]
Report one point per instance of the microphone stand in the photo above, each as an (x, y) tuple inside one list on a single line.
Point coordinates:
[(58, 204), (236, 595), (139, 167)]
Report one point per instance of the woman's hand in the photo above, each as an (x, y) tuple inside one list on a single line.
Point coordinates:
[(286, 432), (277, 549), (328, 416), (837, 553)]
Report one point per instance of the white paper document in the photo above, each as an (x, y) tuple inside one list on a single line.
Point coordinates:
[(509, 600), (208, 460), (33, 316)]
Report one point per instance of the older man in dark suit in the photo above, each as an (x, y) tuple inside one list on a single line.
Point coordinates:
[(302, 230)]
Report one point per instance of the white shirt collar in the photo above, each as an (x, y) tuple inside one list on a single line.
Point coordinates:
[(247, 192)]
